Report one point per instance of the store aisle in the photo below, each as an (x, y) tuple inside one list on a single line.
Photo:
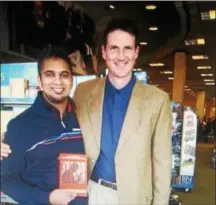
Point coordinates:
[(204, 189)]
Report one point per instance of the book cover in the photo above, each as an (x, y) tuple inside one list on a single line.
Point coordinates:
[(73, 173)]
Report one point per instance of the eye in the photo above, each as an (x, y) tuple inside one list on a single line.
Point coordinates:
[(128, 48), (49, 74), (113, 48), (65, 75)]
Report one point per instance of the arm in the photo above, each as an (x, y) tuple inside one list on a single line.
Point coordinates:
[(12, 168), (14, 186), (162, 155)]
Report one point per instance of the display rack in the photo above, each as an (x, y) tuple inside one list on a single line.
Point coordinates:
[(184, 138)]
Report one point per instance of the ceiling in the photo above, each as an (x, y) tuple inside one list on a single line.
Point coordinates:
[(176, 22)]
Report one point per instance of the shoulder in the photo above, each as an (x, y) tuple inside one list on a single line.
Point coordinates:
[(20, 120), (84, 89), (89, 84), (153, 92)]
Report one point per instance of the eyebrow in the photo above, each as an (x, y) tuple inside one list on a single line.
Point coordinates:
[(51, 71)]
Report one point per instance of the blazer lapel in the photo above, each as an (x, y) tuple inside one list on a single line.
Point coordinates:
[(94, 106), (138, 103)]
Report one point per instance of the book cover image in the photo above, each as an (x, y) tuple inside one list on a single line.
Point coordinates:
[(73, 173)]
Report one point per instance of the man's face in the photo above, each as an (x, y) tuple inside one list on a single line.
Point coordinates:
[(120, 53), (55, 80)]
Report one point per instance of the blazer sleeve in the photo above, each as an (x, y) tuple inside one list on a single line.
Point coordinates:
[(12, 168), (162, 155)]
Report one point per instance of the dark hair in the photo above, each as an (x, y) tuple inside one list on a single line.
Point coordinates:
[(120, 24), (53, 52)]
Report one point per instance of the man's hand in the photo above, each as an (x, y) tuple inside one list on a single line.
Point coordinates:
[(61, 196), (5, 148)]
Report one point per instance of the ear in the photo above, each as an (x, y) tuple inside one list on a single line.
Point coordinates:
[(103, 49), (137, 52), (39, 82)]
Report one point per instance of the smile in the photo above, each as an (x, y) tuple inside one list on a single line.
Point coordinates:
[(58, 90)]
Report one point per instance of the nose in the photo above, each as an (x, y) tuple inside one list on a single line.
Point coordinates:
[(121, 55), (57, 80)]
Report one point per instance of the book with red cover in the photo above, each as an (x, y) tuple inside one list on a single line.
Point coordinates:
[(73, 173)]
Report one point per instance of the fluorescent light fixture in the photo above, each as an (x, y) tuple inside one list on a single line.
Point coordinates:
[(198, 41), (171, 78), (156, 64), (150, 7), (203, 67), (153, 28), (208, 74), (209, 80), (210, 83), (137, 69), (201, 41), (208, 15), (143, 43), (199, 57), (112, 6), (168, 72), (212, 14)]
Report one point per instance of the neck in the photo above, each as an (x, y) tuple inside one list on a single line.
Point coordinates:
[(61, 107), (119, 83)]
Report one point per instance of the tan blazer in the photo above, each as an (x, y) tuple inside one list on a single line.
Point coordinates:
[(143, 156)]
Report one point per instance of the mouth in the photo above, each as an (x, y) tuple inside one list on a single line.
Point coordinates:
[(58, 90), (120, 64)]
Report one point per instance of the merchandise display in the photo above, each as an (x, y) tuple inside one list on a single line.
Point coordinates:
[(184, 134)]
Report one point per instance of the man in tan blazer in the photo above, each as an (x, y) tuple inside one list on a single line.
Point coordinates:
[(142, 158)]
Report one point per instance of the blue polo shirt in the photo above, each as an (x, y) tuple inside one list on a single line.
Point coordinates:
[(114, 110)]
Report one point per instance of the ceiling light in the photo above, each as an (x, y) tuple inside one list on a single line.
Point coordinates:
[(137, 69), (112, 6), (208, 15), (203, 67), (171, 78), (210, 83), (143, 43), (150, 7), (212, 14), (199, 57), (187, 89), (198, 41), (186, 86), (153, 28), (156, 64), (203, 74), (209, 80), (168, 72), (201, 41)]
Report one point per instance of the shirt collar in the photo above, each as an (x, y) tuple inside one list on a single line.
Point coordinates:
[(124, 92)]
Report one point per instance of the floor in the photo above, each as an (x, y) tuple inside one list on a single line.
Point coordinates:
[(204, 191)]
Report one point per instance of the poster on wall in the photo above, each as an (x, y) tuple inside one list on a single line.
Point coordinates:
[(177, 124), (19, 82), (189, 139)]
